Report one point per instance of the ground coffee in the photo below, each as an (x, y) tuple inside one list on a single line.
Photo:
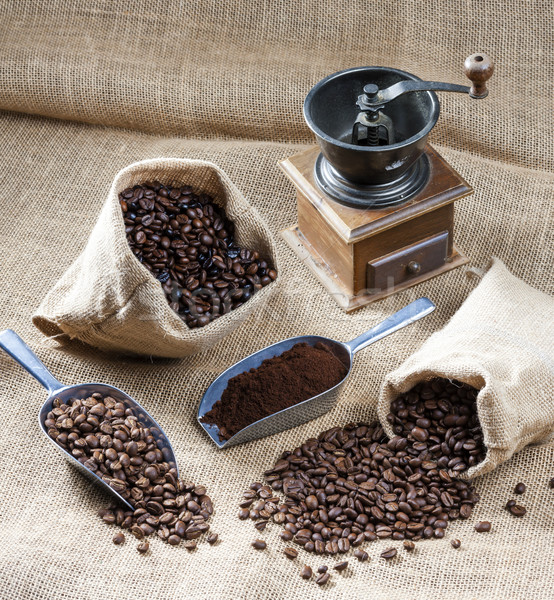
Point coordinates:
[(278, 383)]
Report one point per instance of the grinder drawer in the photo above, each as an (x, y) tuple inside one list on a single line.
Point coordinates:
[(407, 263)]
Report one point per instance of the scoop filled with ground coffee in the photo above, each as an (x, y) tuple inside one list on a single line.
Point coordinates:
[(288, 383), (300, 373)]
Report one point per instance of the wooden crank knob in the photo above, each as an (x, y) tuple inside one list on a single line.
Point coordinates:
[(479, 69)]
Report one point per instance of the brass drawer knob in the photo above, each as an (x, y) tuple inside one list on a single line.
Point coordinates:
[(413, 267)]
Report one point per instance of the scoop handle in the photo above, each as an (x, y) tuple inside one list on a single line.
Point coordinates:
[(405, 316), (11, 343)]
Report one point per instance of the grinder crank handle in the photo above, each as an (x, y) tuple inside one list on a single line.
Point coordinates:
[(477, 67)]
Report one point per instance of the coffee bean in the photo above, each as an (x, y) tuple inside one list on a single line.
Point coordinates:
[(322, 569), (388, 553), (290, 553), (482, 526), (341, 566), (187, 243), (517, 510), (551, 483), (118, 539), (455, 543), (322, 579), (409, 545), (520, 488), (190, 545), (259, 545), (174, 540), (143, 547), (306, 572), (361, 555), (509, 504), (212, 538)]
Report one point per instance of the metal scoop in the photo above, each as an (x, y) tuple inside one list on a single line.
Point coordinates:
[(20, 352), (312, 407)]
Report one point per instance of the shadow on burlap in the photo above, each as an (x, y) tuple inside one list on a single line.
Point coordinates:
[(211, 77)]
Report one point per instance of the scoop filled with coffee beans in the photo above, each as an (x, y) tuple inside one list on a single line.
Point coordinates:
[(188, 244), (94, 418)]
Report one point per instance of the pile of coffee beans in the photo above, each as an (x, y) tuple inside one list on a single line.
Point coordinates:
[(351, 484), (186, 241), (440, 419), (107, 438)]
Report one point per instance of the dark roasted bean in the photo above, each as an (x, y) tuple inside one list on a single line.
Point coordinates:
[(482, 526), (118, 539), (322, 578), (388, 553), (259, 545), (517, 510), (306, 572), (341, 566), (455, 543), (520, 488), (291, 553), (361, 555), (409, 545), (143, 547)]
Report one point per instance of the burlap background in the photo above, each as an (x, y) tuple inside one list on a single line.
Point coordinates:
[(224, 81)]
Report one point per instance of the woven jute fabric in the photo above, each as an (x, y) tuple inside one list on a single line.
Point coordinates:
[(501, 342), (110, 84), (109, 300)]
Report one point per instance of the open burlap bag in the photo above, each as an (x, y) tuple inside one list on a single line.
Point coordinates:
[(109, 300), (500, 341)]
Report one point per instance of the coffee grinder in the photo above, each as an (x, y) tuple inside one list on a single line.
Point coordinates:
[(375, 200)]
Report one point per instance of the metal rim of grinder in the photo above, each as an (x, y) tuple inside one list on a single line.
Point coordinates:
[(372, 124)]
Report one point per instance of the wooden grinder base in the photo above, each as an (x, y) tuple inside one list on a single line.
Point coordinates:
[(363, 255)]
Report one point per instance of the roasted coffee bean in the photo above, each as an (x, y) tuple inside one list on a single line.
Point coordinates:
[(259, 545), (409, 545), (290, 553), (190, 545), (322, 578), (551, 483), (118, 539), (509, 504), (341, 566), (388, 553), (361, 555), (350, 484), (143, 547), (517, 510), (306, 572), (482, 526), (187, 243), (455, 543), (322, 569), (126, 455), (212, 538), (520, 488)]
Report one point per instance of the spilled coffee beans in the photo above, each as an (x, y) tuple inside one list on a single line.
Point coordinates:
[(351, 484), (107, 438), (186, 241)]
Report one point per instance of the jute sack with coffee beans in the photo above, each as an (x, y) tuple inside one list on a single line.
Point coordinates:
[(108, 299), (501, 341)]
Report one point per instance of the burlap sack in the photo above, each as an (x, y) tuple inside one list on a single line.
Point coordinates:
[(500, 341), (109, 300)]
